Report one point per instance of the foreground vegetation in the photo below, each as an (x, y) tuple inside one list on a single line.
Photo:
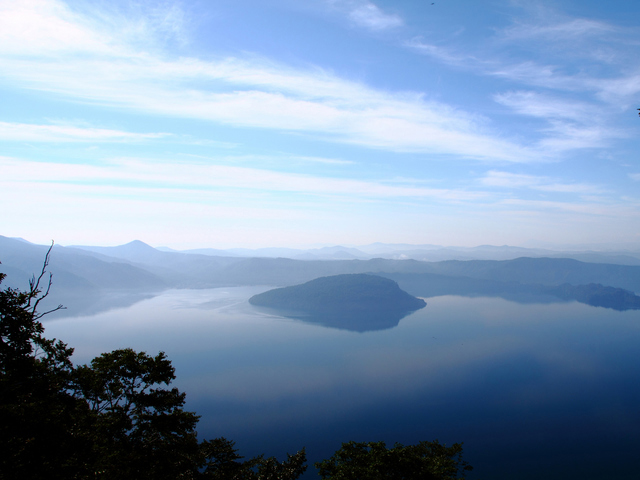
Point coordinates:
[(117, 418)]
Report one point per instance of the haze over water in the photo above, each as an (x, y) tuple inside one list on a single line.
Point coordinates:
[(533, 390)]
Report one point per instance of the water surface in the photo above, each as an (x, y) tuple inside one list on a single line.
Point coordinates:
[(549, 390)]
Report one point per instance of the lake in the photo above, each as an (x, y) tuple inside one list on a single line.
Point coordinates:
[(535, 390)]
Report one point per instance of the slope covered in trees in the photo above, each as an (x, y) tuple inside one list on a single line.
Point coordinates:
[(357, 302), (353, 293), (137, 265)]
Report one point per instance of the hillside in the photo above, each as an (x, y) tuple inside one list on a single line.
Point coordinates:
[(351, 301)]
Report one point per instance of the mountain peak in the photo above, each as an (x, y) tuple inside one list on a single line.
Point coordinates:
[(137, 244)]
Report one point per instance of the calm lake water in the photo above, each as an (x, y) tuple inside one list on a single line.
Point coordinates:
[(533, 390)]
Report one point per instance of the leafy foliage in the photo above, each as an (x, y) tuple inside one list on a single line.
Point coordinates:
[(39, 416), (374, 461), (224, 463), (138, 430)]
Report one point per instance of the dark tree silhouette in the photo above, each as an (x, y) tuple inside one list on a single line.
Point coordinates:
[(39, 415), (374, 461)]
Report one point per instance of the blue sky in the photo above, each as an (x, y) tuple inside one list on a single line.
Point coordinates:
[(252, 123)]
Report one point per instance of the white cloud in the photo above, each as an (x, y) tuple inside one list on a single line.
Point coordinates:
[(571, 125), (367, 14), (444, 55), (46, 27), (544, 106), (495, 178), (578, 188), (588, 58), (558, 30), (84, 61), (588, 209), (329, 161), (148, 174), (66, 133), (509, 180), (618, 90), (554, 52), (635, 176)]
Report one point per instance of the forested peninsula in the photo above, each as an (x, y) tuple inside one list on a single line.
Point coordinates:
[(351, 301)]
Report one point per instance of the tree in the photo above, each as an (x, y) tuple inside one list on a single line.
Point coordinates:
[(224, 463), (138, 430), (373, 461), (39, 416)]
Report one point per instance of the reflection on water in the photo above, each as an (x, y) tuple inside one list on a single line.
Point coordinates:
[(428, 285), (534, 391), (366, 321), (91, 302)]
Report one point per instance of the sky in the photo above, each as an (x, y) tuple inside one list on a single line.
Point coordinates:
[(261, 123)]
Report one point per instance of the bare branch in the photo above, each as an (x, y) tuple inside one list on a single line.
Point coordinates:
[(41, 297), (37, 316), (34, 285), (34, 289)]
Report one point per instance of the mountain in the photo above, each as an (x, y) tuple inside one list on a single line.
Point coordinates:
[(82, 281), (425, 253), (598, 295), (85, 271), (428, 285), (135, 251), (72, 268), (176, 269), (352, 301), (544, 271)]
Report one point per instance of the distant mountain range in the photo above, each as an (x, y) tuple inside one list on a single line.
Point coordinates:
[(427, 253), (128, 272)]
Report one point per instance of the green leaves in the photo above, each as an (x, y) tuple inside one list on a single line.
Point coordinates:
[(373, 461), (224, 463), (138, 429), (39, 415)]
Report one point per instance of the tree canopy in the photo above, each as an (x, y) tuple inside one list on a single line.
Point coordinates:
[(374, 461)]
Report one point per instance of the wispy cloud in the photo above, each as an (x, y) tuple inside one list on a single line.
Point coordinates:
[(551, 51), (329, 161), (584, 208), (635, 176), (571, 125), (142, 174), (495, 178), (66, 133), (445, 55), (509, 180), (552, 59), (369, 15), (552, 30), (366, 14), (72, 56), (545, 106)]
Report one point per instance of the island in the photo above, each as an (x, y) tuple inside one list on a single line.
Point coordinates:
[(597, 295), (358, 302)]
